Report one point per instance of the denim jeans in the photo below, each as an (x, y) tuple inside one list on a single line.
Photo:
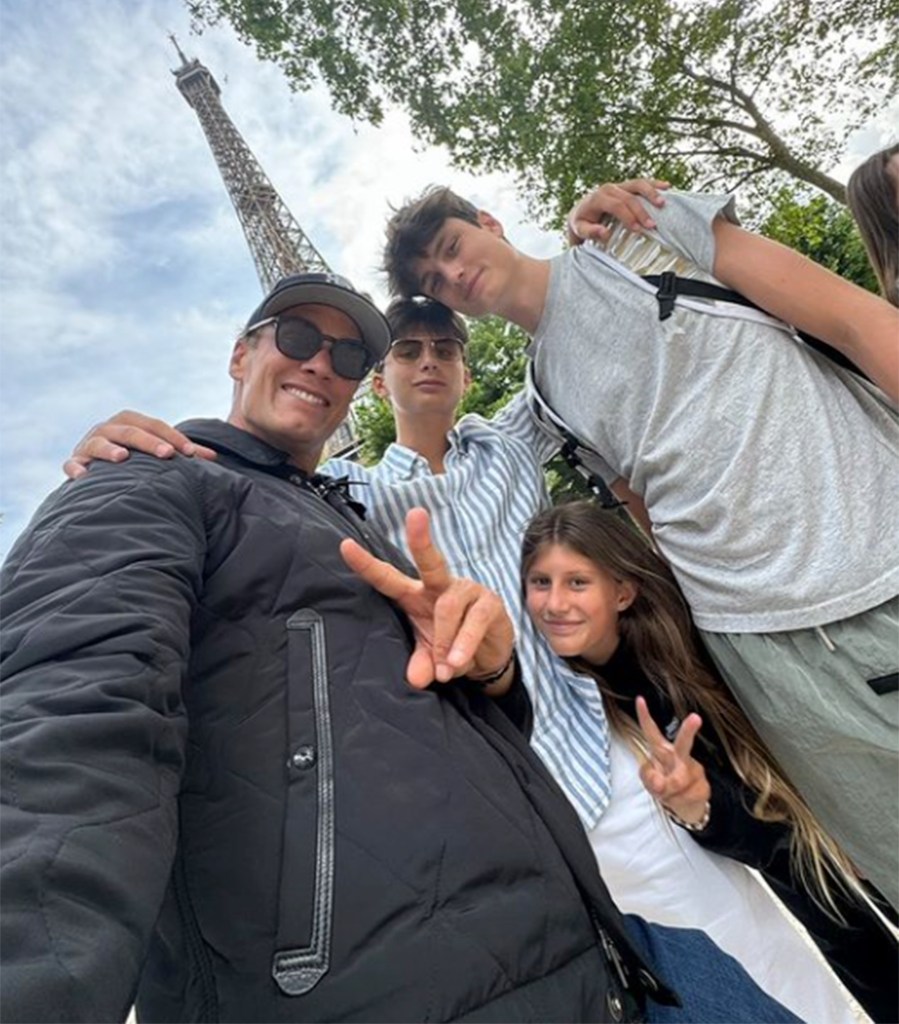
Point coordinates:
[(712, 985)]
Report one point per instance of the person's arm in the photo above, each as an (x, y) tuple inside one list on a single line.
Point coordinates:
[(515, 703), (517, 420), (862, 326), (634, 505), (114, 439), (96, 605)]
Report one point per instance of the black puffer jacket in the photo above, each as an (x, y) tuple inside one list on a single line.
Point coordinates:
[(216, 779)]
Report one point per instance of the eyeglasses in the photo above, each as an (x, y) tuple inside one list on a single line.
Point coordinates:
[(300, 339), (408, 350)]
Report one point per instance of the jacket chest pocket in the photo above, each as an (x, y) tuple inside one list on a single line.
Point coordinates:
[(306, 900)]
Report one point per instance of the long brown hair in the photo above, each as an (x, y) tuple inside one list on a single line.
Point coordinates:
[(658, 631), (873, 197)]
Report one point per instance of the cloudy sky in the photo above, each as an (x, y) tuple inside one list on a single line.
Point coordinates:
[(124, 275)]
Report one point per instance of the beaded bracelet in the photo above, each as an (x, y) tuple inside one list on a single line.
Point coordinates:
[(495, 677), (697, 826)]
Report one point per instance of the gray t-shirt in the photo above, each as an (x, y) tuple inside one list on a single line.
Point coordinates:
[(771, 476)]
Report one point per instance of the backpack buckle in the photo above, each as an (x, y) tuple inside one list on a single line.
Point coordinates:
[(666, 294)]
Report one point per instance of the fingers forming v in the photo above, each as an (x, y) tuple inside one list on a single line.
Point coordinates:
[(428, 560), (385, 578)]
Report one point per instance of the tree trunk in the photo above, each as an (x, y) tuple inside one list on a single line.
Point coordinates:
[(805, 172)]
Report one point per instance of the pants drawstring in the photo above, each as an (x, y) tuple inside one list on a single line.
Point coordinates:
[(825, 639)]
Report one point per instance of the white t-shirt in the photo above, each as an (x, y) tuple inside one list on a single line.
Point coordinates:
[(654, 869), (771, 475)]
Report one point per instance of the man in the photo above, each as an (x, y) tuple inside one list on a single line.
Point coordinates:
[(218, 785), (767, 475)]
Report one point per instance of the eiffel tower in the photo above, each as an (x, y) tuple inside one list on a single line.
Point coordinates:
[(278, 244)]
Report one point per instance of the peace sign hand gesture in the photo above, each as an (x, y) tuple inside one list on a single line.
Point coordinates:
[(461, 627), (671, 774)]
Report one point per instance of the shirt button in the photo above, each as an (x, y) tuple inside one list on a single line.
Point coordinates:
[(303, 757), (616, 1007)]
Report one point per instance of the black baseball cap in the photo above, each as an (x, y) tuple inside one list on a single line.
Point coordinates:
[(327, 290)]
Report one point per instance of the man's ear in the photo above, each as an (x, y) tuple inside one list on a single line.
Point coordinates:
[(627, 594), (238, 359), (467, 379), (488, 221), (379, 386)]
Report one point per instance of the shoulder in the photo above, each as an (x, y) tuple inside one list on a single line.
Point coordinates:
[(479, 434), (110, 496)]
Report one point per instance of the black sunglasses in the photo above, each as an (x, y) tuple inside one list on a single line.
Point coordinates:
[(300, 339), (408, 350)]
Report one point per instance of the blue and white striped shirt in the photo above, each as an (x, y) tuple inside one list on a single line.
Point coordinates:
[(492, 486)]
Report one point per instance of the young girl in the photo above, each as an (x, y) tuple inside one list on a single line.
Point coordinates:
[(610, 606)]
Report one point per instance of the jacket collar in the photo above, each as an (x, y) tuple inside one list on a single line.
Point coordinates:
[(227, 439), (231, 440)]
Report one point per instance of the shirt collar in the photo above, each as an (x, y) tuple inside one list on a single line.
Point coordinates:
[(404, 463), (401, 462)]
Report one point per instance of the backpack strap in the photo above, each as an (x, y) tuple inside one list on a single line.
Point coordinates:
[(571, 446), (668, 286)]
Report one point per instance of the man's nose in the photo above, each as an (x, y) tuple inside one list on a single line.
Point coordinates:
[(320, 363)]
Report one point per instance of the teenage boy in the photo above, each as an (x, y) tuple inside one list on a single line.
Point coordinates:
[(768, 476)]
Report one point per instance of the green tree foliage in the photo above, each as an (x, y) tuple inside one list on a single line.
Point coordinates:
[(822, 230), (571, 92), (374, 422)]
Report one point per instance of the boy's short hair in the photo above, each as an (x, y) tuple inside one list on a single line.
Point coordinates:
[(420, 313), (411, 230)]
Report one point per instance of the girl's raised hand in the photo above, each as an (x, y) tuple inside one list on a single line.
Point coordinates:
[(670, 773)]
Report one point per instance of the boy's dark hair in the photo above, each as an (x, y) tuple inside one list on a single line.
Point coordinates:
[(411, 230), (423, 314)]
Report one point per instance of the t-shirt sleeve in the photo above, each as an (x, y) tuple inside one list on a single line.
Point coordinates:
[(685, 224)]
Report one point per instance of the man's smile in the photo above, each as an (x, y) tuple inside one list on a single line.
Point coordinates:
[(304, 395)]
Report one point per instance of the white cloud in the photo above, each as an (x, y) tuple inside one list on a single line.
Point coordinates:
[(125, 275)]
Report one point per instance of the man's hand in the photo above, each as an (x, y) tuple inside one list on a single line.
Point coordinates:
[(461, 627), (587, 219), (671, 774), (112, 440)]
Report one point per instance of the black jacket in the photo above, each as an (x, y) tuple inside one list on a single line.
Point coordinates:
[(217, 782), (861, 950)]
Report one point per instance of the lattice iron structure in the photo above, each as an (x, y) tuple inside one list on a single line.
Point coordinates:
[(278, 244)]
